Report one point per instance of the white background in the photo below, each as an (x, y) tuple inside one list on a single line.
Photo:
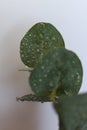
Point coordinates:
[(16, 17)]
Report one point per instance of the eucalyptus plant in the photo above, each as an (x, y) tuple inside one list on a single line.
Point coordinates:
[(55, 75)]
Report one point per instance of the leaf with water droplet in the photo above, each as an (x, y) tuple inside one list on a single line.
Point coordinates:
[(63, 71), (37, 41)]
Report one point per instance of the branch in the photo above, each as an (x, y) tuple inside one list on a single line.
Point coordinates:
[(29, 70), (35, 98)]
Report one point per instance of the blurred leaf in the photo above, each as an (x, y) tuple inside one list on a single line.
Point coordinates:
[(72, 112)]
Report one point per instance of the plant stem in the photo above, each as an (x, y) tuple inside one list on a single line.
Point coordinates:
[(25, 70), (35, 98)]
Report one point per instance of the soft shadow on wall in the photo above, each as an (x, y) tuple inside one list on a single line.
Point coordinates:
[(13, 114)]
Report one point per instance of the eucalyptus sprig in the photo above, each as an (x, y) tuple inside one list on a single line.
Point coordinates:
[(56, 71)]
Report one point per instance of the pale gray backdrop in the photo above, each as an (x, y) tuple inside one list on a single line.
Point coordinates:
[(16, 17)]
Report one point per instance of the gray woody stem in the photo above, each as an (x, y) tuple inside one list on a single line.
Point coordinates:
[(35, 98)]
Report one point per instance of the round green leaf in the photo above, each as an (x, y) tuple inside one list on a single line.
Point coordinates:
[(37, 41), (60, 71)]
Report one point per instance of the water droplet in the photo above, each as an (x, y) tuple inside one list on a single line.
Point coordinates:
[(42, 67), (32, 49), (34, 36), (53, 38), (22, 55), (28, 61), (73, 62), (23, 43), (51, 84), (45, 75), (40, 80), (26, 56), (41, 35), (33, 57), (34, 84), (38, 50), (29, 35), (72, 76), (47, 37), (48, 71)]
